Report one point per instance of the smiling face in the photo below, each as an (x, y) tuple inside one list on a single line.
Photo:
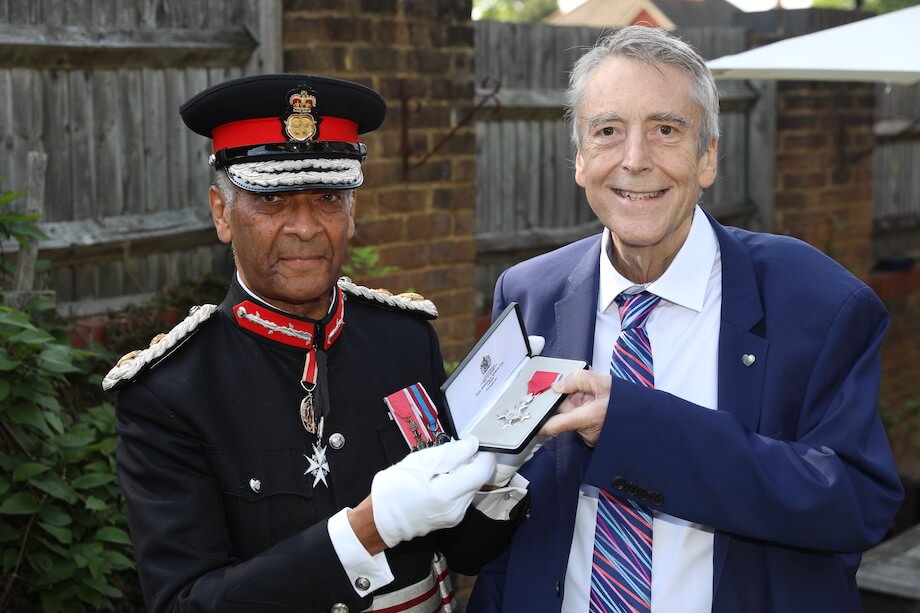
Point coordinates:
[(639, 158), (288, 246)]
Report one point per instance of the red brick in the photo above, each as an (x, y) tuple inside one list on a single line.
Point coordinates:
[(405, 256), (459, 197), (378, 231), (450, 252), (432, 226), (809, 180), (405, 200)]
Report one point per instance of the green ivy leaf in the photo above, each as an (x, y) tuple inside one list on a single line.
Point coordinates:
[(4, 485), (47, 400), (89, 595), (6, 362), (21, 503), (64, 535), (8, 533), (94, 504), (61, 570), (57, 359), (14, 318), (4, 388), (32, 336), (92, 480), (117, 561), (52, 514), (54, 486), (54, 420), (75, 439), (28, 470), (28, 415), (112, 534)]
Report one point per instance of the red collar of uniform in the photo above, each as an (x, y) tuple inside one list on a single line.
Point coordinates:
[(289, 330)]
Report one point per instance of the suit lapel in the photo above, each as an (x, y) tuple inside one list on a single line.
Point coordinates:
[(742, 353), (574, 338)]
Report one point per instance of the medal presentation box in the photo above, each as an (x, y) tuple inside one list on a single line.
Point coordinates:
[(501, 393)]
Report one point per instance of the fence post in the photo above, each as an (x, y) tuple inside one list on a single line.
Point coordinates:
[(35, 205)]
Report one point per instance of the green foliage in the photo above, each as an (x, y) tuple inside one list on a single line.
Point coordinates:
[(18, 226), (364, 262), (876, 6), (524, 11), (63, 541)]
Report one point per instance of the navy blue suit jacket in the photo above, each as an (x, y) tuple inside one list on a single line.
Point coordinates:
[(793, 471)]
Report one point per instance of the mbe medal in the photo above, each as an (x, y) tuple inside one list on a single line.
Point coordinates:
[(539, 383)]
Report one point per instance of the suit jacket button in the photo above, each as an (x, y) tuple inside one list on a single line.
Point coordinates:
[(337, 440), (619, 483), (558, 588), (643, 494), (631, 489), (657, 499), (339, 608)]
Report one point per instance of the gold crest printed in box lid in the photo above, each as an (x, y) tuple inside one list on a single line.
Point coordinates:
[(286, 132)]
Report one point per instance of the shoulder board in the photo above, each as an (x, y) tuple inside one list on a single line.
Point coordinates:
[(409, 302), (132, 364)]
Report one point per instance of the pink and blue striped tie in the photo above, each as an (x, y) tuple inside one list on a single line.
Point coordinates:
[(621, 574)]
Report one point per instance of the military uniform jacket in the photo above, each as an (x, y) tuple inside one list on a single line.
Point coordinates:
[(212, 455)]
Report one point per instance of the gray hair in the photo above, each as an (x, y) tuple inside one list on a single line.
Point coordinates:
[(652, 46), (229, 191)]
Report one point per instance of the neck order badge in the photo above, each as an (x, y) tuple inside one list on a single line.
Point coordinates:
[(311, 336)]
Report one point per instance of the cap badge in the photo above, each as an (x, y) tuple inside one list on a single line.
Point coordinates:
[(299, 122)]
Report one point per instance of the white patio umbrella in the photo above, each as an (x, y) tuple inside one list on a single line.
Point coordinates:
[(883, 49)]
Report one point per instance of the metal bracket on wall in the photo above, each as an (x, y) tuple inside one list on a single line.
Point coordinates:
[(410, 105)]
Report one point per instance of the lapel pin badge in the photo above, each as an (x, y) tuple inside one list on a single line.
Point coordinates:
[(747, 359)]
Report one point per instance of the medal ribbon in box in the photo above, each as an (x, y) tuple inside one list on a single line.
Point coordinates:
[(416, 416)]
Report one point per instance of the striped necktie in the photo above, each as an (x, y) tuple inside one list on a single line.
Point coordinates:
[(621, 573)]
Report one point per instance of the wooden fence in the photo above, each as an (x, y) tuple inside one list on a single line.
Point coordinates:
[(96, 84), (896, 191), (527, 199)]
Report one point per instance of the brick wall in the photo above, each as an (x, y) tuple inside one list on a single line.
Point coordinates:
[(823, 178), (419, 55), (824, 175)]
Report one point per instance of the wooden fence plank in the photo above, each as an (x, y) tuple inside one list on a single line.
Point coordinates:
[(55, 105), (24, 11), (44, 47), (7, 142)]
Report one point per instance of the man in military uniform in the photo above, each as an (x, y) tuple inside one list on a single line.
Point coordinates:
[(260, 463)]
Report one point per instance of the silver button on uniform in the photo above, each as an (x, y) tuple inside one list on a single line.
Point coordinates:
[(339, 608), (363, 583), (255, 485), (336, 440)]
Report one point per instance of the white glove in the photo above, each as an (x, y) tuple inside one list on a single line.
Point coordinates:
[(536, 344), (509, 463), (428, 490)]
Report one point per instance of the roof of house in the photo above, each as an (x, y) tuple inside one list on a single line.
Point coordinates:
[(667, 14)]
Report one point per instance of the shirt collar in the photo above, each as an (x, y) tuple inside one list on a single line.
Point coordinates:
[(239, 279), (685, 280)]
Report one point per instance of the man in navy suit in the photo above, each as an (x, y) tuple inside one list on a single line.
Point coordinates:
[(757, 451)]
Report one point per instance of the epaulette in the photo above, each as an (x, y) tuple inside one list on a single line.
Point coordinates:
[(409, 302), (132, 364)]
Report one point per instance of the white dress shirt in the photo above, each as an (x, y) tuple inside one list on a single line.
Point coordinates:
[(684, 334)]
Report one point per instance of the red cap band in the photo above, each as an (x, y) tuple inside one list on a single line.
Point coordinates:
[(266, 130)]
